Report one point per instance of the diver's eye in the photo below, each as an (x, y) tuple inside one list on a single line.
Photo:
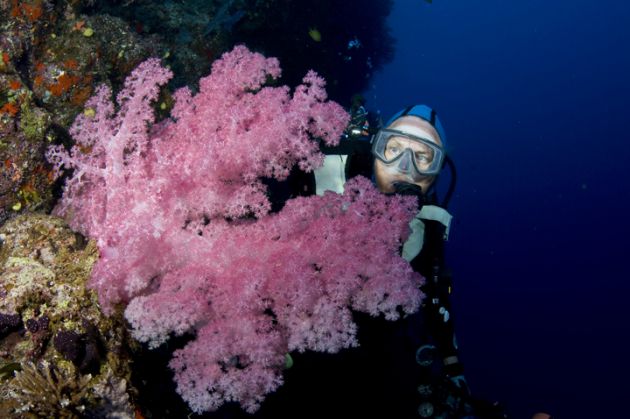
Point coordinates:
[(392, 151), (422, 158)]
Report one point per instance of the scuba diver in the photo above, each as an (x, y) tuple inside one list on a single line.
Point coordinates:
[(406, 156)]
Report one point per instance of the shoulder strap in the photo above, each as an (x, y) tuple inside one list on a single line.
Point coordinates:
[(435, 213)]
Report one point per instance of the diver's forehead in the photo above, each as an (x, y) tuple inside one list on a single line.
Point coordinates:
[(416, 126)]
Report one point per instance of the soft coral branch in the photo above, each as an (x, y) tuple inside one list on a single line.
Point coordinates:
[(186, 240)]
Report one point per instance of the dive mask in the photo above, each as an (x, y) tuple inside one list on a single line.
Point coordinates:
[(408, 154)]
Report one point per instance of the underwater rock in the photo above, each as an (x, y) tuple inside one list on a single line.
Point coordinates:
[(54, 340), (194, 33), (48, 68), (84, 52), (25, 184), (345, 47)]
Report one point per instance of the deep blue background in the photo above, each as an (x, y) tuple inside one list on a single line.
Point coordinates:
[(535, 99)]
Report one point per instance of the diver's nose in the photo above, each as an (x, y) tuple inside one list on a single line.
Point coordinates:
[(405, 162)]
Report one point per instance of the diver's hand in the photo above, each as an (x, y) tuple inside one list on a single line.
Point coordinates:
[(541, 416)]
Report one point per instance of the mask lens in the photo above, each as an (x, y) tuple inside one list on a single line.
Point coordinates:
[(393, 146), (422, 153)]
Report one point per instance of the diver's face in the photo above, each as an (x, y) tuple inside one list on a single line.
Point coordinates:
[(386, 175)]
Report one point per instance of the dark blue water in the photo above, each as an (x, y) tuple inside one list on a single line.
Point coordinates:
[(535, 99)]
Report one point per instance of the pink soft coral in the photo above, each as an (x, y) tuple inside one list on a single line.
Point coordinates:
[(181, 219)]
